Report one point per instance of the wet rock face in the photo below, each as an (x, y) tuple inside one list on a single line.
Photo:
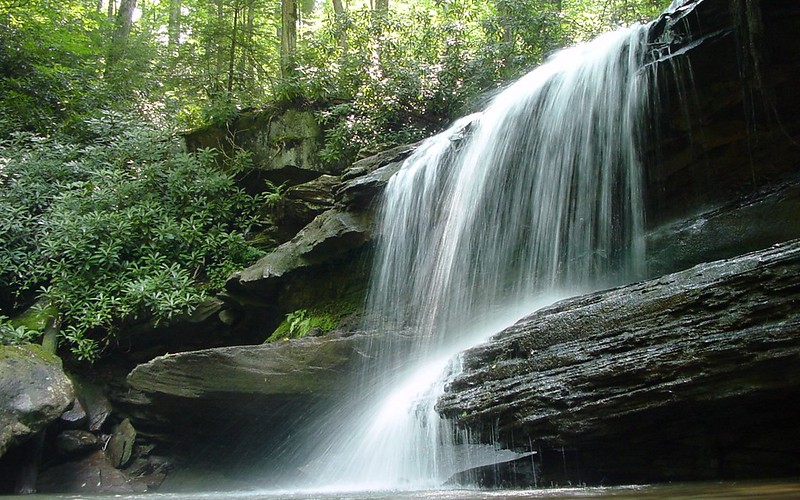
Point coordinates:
[(34, 391), (753, 222), (694, 375), (726, 102)]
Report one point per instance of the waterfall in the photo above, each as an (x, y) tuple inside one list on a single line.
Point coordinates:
[(538, 196)]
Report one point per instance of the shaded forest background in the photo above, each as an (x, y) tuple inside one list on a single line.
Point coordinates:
[(106, 219)]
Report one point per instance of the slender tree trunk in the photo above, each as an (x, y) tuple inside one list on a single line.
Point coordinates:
[(99, 6), (382, 6), (288, 36), (122, 31), (232, 58), (218, 49), (338, 10), (174, 26), (246, 42), (111, 8)]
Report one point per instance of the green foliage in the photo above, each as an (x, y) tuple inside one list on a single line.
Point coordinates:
[(401, 76), (274, 194), (11, 334), (121, 228), (50, 60), (302, 323), (114, 223)]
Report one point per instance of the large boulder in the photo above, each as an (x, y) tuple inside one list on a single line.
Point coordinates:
[(218, 402), (694, 375), (89, 474), (283, 145), (331, 235), (34, 391)]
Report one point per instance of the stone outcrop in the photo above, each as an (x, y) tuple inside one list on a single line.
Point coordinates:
[(324, 263), (753, 222), (283, 146), (34, 391), (693, 375), (185, 400), (304, 202), (298, 367), (366, 179)]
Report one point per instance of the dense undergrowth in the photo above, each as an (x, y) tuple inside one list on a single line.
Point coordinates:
[(119, 227)]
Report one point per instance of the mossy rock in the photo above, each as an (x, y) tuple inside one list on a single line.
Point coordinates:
[(339, 310), (36, 317), (34, 391)]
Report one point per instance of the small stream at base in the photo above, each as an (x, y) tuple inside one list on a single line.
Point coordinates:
[(734, 490)]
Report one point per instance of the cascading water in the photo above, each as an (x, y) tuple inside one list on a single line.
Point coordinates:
[(537, 197)]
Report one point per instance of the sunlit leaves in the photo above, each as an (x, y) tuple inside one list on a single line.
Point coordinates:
[(123, 229)]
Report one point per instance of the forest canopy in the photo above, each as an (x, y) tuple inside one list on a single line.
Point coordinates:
[(106, 218)]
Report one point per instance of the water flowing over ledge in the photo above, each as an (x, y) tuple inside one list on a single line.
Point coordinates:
[(536, 197)]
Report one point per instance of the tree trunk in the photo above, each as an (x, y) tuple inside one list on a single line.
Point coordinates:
[(232, 58), (341, 28), (111, 8), (288, 36), (122, 31), (217, 50), (174, 27), (246, 41), (382, 6)]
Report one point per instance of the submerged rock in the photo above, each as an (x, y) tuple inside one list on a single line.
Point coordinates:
[(693, 375), (93, 473)]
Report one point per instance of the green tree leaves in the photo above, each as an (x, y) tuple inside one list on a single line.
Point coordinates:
[(125, 228)]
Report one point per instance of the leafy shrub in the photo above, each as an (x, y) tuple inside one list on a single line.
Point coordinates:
[(11, 334), (121, 228)]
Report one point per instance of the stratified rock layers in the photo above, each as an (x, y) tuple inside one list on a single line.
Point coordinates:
[(691, 375)]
